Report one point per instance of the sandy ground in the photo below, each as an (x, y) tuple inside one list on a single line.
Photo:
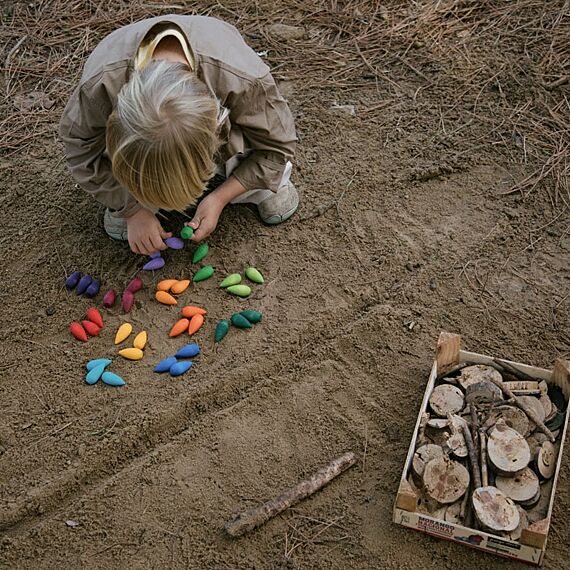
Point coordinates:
[(398, 237)]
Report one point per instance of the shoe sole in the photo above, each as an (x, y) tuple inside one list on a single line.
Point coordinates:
[(278, 219)]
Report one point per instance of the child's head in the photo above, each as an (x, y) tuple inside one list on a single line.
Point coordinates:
[(162, 136)]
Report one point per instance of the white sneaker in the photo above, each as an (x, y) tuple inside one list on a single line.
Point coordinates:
[(115, 226), (280, 206)]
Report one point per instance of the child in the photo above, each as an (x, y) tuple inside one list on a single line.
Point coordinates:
[(163, 105)]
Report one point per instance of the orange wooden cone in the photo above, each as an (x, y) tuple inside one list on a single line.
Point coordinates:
[(180, 286), (195, 323), (165, 298), (189, 311), (165, 284), (179, 327)]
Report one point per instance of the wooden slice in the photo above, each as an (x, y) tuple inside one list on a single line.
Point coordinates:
[(546, 460), (437, 436), (478, 373), (456, 442), (534, 404), (482, 393), (507, 450), (521, 487), (532, 502), (534, 443), (516, 534), (540, 509), (494, 510), (438, 423), (557, 421), (553, 413), (423, 456), (446, 399), (445, 480), (453, 513), (515, 418), (546, 404)]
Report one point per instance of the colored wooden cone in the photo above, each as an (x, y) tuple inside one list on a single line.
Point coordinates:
[(195, 323), (179, 327)]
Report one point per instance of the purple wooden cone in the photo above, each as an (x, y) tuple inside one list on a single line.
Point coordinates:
[(174, 242), (153, 264), (155, 255)]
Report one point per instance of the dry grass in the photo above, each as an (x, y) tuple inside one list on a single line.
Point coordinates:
[(501, 65)]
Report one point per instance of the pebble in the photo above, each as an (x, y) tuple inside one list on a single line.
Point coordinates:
[(50, 311)]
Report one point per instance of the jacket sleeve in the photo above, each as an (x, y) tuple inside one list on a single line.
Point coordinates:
[(82, 129), (268, 127)]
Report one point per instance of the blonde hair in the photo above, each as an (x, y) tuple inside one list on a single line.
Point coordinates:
[(162, 136)]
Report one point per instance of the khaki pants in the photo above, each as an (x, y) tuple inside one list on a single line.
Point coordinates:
[(255, 196)]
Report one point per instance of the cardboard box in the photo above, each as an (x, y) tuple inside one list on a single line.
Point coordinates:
[(531, 546)]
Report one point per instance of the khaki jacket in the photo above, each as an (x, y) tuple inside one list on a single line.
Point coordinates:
[(259, 117)]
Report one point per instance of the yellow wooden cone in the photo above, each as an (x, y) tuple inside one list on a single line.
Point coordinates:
[(124, 331), (131, 353), (140, 340)]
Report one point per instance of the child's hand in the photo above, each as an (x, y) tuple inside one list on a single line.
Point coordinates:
[(145, 233), (206, 217)]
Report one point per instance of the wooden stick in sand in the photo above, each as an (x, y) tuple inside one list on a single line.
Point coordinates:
[(244, 522), (526, 409)]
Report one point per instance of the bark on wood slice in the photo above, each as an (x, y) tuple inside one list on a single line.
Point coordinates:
[(482, 392), (446, 399), (507, 450), (546, 460), (494, 510), (515, 418), (534, 404), (521, 487), (453, 513), (445, 480), (478, 373), (423, 456)]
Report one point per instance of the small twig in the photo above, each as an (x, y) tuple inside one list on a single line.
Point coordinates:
[(483, 449)]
